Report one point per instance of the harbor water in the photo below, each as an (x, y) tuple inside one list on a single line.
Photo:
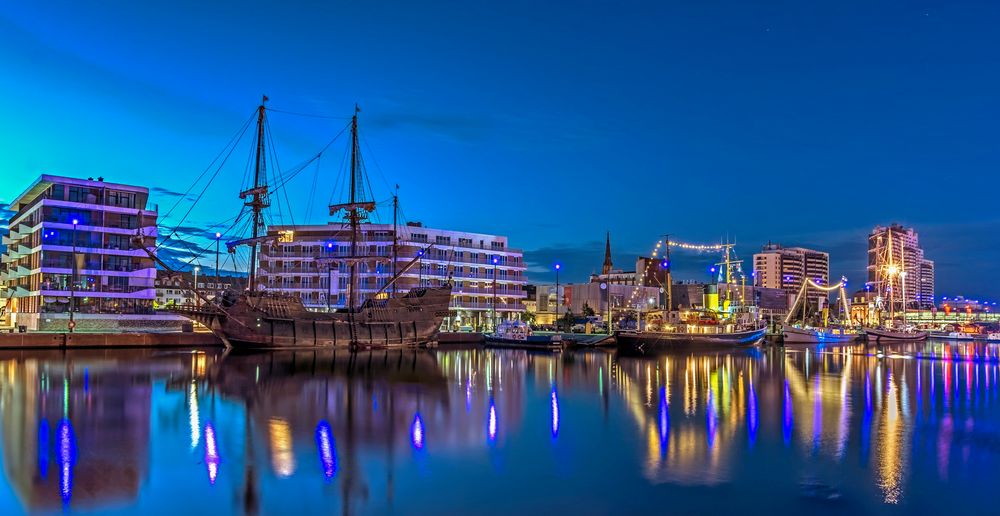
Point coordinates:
[(904, 429)]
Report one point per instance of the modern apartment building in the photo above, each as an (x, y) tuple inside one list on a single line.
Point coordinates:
[(68, 247), (907, 255), (787, 268), (304, 260)]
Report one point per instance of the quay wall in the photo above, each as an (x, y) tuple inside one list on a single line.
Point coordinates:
[(107, 340)]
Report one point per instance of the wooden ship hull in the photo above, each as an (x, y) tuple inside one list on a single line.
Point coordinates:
[(648, 341), (264, 320)]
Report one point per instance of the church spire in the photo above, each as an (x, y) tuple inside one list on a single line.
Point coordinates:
[(606, 269)]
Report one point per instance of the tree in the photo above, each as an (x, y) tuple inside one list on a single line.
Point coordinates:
[(588, 311), (566, 321), (528, 317)]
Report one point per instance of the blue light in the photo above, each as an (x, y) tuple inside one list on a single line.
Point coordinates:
[(664, 421), (491, 423), (752, 416), (786, 424), (211, 453), (554, 397), (417, 432), (558, 266), (327, 448), (66, 458)]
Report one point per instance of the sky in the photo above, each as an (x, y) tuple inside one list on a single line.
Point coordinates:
[(552, 123)]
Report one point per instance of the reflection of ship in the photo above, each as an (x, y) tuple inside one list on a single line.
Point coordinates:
[(263, 319), (344, 401)]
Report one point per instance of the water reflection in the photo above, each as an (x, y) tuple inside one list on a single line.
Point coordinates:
[(909, 425)]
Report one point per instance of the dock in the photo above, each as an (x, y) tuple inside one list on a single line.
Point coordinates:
[(64, 340)]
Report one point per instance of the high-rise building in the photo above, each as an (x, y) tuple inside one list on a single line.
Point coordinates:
[(68, 247), (906, 256), (304, 261), (787, 267)]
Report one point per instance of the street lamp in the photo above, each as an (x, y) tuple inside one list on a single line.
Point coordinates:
[(494, 316), (72, 282), (218, 286), (197, 300), (558, 300), (420, 265)]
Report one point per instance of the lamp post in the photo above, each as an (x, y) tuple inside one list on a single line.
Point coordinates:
[(420, 268), (558, 298), (218, 286), (197, 300), (72, 283), (494, 315), (329, 277)]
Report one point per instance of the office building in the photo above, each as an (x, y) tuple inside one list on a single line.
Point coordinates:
[(69, 247), (304, 260)]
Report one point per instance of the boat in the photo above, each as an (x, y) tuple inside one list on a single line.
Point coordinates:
[(823, 332), (261, 319), (956, 335), (890, 277), (828, 335), (722, 323), (518, 334), (882, 334), (652, 340)]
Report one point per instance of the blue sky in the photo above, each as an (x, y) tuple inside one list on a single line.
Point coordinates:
[(794, 122)]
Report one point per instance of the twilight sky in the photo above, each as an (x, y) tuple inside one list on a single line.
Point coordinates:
[(797, 122)]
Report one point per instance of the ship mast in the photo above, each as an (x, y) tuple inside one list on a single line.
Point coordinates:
[(353, 212), (395, 237), (257, 194)]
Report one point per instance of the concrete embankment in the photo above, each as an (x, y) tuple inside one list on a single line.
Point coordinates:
[(107, 340)]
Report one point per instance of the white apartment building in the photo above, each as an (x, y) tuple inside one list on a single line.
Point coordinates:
[(787, 268), (68, 248), (305, 261)]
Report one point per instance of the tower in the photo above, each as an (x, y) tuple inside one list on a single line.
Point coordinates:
[(606, 269)]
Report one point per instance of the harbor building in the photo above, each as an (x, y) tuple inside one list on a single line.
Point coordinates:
[(647, 271), (786, 268), (174, 288), (309, 261), (906, 254), (68, 248)]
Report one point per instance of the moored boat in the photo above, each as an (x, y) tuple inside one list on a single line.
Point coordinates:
[(517, 334), (651, 340), (263, 319), (830, 335), (894, 334)]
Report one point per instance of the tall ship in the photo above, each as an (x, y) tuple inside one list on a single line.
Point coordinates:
[(890, 284), (730, 321), (801, 327), (256, 318)]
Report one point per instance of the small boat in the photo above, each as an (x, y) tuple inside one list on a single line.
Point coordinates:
[(830, 335), (517, 334), (956, 335), (651, 340), (906, 333)]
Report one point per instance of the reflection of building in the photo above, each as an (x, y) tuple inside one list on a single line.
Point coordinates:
[(907, 255), (69, 243), (83, 442), (308, 261)]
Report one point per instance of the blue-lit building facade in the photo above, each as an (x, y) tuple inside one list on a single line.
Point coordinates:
[(69, 246)]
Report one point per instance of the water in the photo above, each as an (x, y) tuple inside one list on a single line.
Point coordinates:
[(908, 429)]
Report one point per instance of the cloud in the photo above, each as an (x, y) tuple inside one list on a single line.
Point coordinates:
[(170, 193), (462, 128)]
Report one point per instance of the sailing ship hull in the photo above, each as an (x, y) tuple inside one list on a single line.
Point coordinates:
[(650, 341), (275, 321), (793, 335), (884, 335)]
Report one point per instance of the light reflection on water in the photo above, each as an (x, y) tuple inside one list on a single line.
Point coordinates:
[(910, 427)]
